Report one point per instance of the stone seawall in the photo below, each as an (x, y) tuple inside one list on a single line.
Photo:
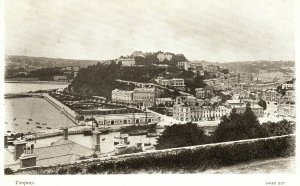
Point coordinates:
[(61, 107)]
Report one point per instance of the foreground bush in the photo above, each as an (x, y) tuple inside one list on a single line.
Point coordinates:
[(130, 150), (181, 135), (279, 128), (200, 158), (186, 159), (8, 171)]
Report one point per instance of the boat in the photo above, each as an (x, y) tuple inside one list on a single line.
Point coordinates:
[(48, 127), (137, 132), (139, 127), (39, 127), (105, 130), (87, 132), (29, 119), (14, 119), (27, 123), (16, 124), (150, 134), (37, 122)]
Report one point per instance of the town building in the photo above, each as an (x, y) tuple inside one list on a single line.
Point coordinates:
[(178, 83), (233, 102), (122, 96), (207, 92), (168, 102), (125, 119), (288, 86), (60, 78), (144, 97), (24, 154), (270, 96), (162, 56), (187, 113), (184, 65), (126, 61), (257, 110)]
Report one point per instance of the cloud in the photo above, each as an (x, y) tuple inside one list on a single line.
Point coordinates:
[(212, 30)]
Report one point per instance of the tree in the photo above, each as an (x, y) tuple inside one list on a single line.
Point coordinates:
[(279, 128), (238, 126), (181, 135), (251, 124), (263, 104)]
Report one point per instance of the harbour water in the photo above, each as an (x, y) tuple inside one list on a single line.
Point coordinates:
[(25, 114), (21, 87)]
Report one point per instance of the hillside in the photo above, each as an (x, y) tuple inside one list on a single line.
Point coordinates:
[(46, 62), (100, 79), (256, 66)]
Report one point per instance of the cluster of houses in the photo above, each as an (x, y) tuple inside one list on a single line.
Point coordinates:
[(209, 103), (69, 72)]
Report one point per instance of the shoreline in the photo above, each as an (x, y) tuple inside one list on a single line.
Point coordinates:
[(38, 82)]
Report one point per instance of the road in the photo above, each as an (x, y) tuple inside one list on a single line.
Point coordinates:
[(278, 165)]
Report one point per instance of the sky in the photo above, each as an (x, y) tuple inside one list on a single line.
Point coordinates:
[(211, 30)]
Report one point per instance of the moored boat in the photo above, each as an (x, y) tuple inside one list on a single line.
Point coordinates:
[(138, 127), (87, 132), (137, 132), (150, 134)]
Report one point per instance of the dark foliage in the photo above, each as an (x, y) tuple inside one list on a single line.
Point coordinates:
[(130, 150), (100, 79), (151, 59), (263, 104), (181, 135), (8, 171), (239, 126), (74, 170), (62, 170), (44, 74), (282, 127), (199, 159)]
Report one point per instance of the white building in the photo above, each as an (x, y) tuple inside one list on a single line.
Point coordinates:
[(162, 56), (126, 61), (184, 65), (144, 97), (122, 96), (188, 113)]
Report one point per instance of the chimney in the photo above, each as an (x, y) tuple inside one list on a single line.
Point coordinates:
[(96, 139), (27, 160), (5, 141), (19, 147), (65, 132), (32, 147)]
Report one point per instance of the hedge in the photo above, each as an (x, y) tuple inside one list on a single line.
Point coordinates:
[(186, 159), (201, 158)]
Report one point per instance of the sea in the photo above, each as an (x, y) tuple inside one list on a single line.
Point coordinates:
[(25, 114)]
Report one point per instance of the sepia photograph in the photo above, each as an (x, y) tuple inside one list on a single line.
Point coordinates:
[(155, 88)]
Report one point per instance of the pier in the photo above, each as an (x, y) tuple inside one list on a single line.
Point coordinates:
[(58, 105)]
